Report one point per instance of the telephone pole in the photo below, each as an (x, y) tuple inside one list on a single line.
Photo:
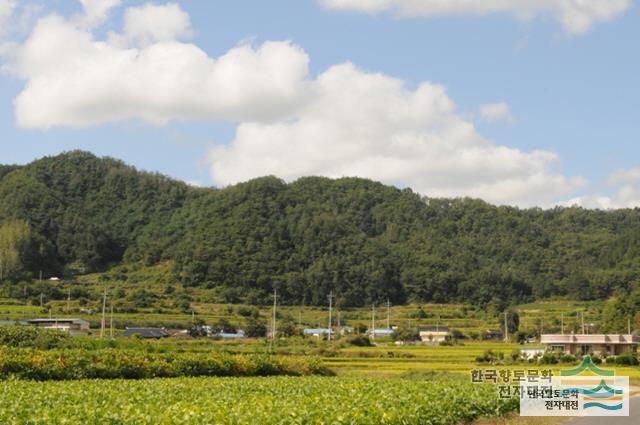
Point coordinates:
[(111, 323), (373, 321), (583, 323), (273, 319), (330, 311), (68, 300), (506, 329), (388, 314), (104, 308), (562, 323)]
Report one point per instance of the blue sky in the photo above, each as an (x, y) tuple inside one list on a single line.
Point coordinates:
[(568, 92)]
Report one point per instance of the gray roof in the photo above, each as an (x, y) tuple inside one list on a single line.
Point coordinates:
[(433, 329), (316, 331), (12, 322), (74, 321), (147, 332)]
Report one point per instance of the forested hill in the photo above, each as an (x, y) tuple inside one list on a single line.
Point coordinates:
[(76, 213)]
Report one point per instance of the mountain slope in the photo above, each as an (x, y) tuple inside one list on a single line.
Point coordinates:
[(365, 241)]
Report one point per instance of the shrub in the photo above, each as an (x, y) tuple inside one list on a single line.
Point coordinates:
[(28, 336), (358, 341), (28, 363), (626, 359)]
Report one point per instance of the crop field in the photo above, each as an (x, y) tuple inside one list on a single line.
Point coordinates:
[(282, 400)]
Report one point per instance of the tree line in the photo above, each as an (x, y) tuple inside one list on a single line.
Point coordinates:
[(76, 213)]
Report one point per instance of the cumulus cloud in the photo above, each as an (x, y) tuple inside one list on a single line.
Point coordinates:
[(370, 125), (624, 188), (152, 23), (576, 16), (492, 112), (6, 10), (96, 11), (75, 80), (344, 122)]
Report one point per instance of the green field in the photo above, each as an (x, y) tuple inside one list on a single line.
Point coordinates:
[(247, 401)]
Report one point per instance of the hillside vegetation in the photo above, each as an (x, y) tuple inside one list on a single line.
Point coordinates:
[(76, 213)]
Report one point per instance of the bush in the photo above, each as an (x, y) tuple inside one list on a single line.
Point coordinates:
[(568, 358), (358, 341), (109, 363), (489, 357), (627, 360), (549, 358), (28, 336)]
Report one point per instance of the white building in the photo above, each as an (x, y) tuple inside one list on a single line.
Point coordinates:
[(434, 334)]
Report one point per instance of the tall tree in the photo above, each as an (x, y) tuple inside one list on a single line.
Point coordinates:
[(14, 235)]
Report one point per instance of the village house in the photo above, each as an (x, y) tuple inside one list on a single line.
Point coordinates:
[(318, 332), (610, 345), (434, 334), (381, 333), (72, 326)]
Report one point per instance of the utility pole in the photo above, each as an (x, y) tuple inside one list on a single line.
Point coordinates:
[(111, 323), (104, 308), (562, 324), (506, 329), (41, 300), (373, 321), (388, 314), (583, 323), (68, 300), (330, 311), (628, 325), (273, 319)]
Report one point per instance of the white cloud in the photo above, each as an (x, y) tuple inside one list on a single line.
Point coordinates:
[(576, 16), (75, 80), (96, 11), (362, 124), (345, 122), (152, 24), (6, 10), (492, 112), (625, 188)]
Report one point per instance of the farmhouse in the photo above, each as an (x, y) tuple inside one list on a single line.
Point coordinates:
[(72, 326), (230, 335), (147, 333), (381, 333), (434, 334), (611, 345), (317, 332)]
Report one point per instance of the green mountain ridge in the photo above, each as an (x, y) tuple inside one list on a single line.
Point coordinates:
[(361, 239)]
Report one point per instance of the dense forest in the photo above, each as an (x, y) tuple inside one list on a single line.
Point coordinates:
[(76, 213)]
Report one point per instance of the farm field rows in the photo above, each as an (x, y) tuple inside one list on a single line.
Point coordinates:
[(282, 400)]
